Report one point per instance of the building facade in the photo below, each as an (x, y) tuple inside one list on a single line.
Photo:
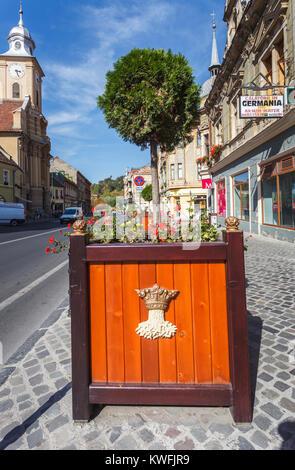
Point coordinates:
[(10, 176), (183, 179), (83, 184), (254, 178), (135, 181), (23, 128)]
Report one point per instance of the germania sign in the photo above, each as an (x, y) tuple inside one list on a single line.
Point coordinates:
[(261, 106)]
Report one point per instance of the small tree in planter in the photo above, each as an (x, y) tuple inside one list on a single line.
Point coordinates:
[(147, 193), (152, 101)]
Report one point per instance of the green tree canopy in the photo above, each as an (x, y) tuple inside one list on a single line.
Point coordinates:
[(147, 193), (152, 101)]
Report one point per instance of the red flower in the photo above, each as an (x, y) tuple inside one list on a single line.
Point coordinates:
[(60, 232), (48, 249), (69, 225), (93, 209), (51, 240)]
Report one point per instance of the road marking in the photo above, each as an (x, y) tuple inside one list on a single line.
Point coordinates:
[(31, 286), (30, 236)]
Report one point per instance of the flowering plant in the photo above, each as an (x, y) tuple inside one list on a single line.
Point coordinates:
[(246, 240), (214, 154), (134, 227)]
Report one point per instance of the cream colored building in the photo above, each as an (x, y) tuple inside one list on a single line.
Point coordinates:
[(180, 174), (83, 185), (254, 178), (132, 191), (23, 128)]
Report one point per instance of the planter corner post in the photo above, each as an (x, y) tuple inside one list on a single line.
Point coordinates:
[(80, 331), (237, 318)]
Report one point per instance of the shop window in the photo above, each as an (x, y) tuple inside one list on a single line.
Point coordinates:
[(287, 199), (278, 194), (241, 195), (221, 198), (270, 200)]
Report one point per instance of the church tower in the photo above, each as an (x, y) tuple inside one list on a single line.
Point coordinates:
[(20, 72), (215, 64), (23, 127)]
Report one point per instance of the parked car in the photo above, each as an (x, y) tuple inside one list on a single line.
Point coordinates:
[(71, 214), (12, 213)]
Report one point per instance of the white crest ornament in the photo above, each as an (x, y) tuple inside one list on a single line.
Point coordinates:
[(157, 300)]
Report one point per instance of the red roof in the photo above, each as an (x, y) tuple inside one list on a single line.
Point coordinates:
[(6, 114)]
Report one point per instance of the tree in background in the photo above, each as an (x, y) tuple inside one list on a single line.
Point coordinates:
[(108, 189), (147, 193), (152, 101)]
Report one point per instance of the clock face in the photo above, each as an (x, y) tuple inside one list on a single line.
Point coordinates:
[(17, 45), (16, 70)]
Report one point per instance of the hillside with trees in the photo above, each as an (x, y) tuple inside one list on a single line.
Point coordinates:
[(107, 190)]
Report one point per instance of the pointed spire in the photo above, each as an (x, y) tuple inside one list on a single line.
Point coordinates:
[(215, 64), (21, 23)]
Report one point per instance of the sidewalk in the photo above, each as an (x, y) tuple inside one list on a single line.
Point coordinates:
[(35, 384)]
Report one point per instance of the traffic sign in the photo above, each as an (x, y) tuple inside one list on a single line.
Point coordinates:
[(139, 181)]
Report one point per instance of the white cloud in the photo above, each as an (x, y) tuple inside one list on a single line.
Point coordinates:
[(77, 86)]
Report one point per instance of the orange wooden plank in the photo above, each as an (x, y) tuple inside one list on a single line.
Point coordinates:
[(114, 315), (98, 323), (131, 319), (219, 327), (183, 321), (149, 348), (167, 346), (201, 322)]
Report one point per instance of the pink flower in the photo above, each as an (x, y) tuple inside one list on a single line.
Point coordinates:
[(48, 249)]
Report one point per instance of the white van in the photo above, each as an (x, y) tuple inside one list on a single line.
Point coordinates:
[(71, 214), (11, 213)]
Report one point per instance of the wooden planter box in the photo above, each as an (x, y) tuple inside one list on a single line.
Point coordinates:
[(205, 363)]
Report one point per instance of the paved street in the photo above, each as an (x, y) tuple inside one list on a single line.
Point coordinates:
[(33, 283), (35, 390)]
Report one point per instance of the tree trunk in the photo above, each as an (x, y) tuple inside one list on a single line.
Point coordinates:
[(155, 184)]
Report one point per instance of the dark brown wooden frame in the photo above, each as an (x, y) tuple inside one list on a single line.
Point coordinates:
[(277, 173), (85, 394), (233, 194)]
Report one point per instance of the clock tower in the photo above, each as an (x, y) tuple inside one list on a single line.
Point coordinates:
[(23, 128), (20, 72)]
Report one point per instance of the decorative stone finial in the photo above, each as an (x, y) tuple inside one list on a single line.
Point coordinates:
[(157, 300), (232, 224), (79, 227)]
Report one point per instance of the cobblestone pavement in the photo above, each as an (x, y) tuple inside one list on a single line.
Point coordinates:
[(35, 384)]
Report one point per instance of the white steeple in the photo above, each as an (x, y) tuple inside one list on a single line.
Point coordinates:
[(215, 64), (19, 39)]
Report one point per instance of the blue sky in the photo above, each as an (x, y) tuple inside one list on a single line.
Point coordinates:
[(77, 42)]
